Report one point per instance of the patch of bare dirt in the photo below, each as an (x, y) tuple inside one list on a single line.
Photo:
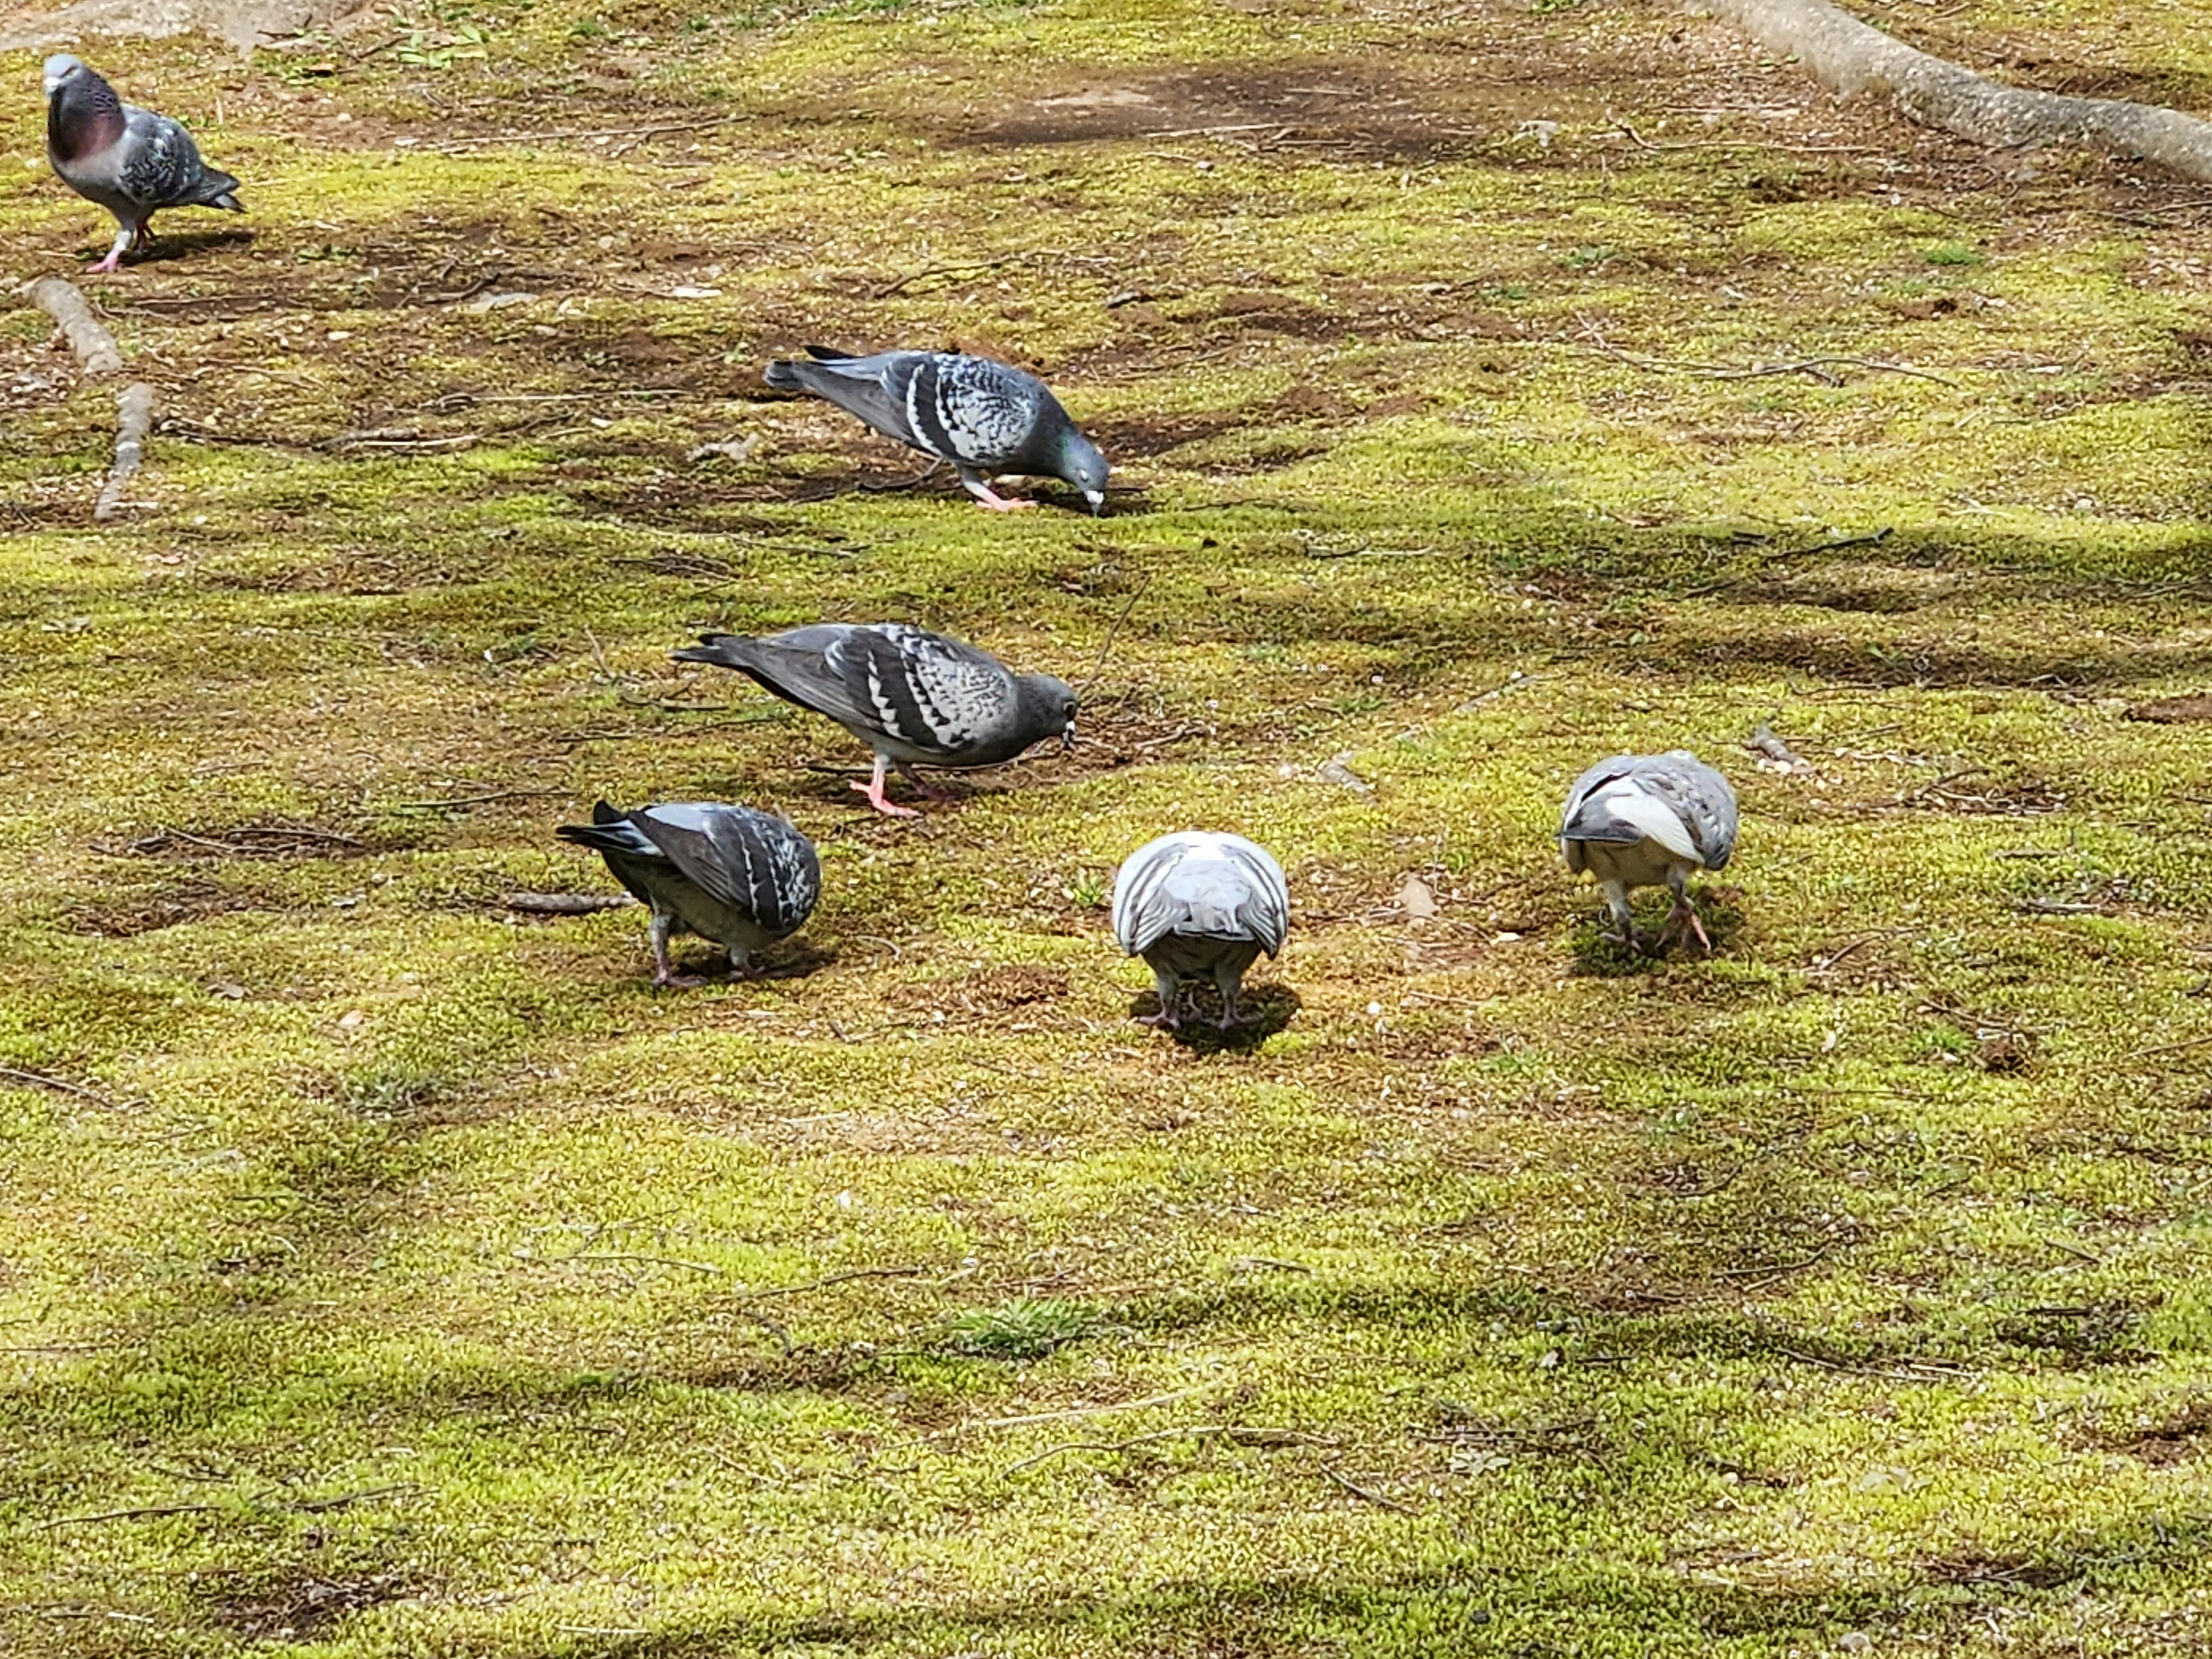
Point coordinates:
[(243, 841), (304, 1607), (1322, 104), (2174, 711), (2182, 1440), (127, 918)]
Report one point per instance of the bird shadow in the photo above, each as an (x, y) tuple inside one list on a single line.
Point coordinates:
[(184, 245), (1263, 1011), (799, 960), (1597, 956)]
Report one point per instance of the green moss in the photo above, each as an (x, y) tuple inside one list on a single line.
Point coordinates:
[(407, 1274)]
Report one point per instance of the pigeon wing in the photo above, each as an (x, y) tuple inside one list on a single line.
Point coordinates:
[(754, 864), (936, 695), (161, 165), (1167, 884), (972, 409), (1702, 801)]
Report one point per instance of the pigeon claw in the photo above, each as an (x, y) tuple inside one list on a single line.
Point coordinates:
[(989, 497), (113, 259), (883, 804), (669, 978)]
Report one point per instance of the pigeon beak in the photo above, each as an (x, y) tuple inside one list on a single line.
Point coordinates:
[(1067, 737), (1097, 499)]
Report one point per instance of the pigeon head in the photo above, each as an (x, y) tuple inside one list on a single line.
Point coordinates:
[(60, 68), (1047, 706), (1082, 465)]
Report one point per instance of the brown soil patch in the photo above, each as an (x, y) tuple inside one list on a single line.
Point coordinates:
[(2174, 711), (2180, 1441), (244, 841), (128, 917)]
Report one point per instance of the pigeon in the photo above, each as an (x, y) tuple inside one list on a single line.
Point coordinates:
[(915, 697), (1196, 905), (984, 417), (740, 878), (1642, 820), (130, 160)]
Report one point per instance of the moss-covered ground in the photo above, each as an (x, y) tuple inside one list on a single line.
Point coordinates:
[(382, 1272)]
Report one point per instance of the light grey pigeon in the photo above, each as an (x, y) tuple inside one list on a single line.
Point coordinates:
[(740, 878), (915, 697), (1197, 905), (1642, 820), (984, 417), (130, 160)]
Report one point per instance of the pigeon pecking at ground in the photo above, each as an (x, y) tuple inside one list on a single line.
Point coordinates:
[(915, 697), (984, 417), (1644, 820), (1197, 906), (130, 160), (742, 878)]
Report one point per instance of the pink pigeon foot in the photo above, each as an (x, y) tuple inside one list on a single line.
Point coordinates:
[(873, 789), (990, 498), (114, 257)]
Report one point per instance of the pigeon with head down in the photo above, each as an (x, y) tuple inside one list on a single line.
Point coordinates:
[(1197, 906), (984, 417), (740, 878), (915, 697), (1647, 821), (130, 160)]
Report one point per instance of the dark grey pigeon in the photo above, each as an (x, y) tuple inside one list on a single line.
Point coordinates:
[(1199, 906), (915, 697), (129, 160), (740, 878), (984, 417), (1644, 820)]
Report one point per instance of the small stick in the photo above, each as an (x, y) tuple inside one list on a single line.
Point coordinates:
[(1358, 1491), (60, 1086), (566, 905), (834, 1279), (973, 268), (1238, 1432), (125, 1515), (1111, 633), (1076, 1411)]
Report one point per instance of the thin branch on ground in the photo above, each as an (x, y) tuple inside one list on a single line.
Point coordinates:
[(60, 1086), (1362, 1493), (1026, 1420), (967, 268), (849, 1274), (149, 1511), (1098, 664), (1815, 367), (566, 905), (1237, 1433), (478, 800)]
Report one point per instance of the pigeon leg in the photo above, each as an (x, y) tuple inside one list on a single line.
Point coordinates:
[(1683, 918), (663, 969), (873, 789), (979, 487), (922, 783), (1228, 1021), (126, 239), (1624, 922), (1170, 1017)]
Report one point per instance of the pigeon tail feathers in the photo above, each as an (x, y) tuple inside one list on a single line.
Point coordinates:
[(1625, 813)]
